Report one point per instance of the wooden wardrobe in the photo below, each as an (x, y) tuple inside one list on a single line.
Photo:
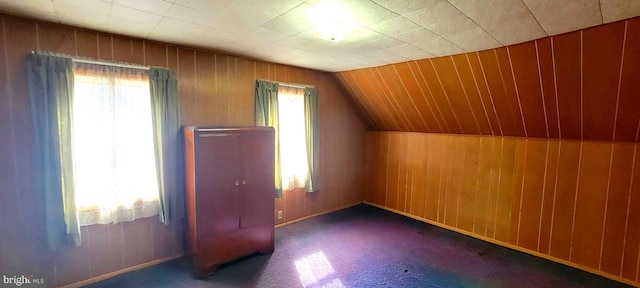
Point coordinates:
[(230, 193)]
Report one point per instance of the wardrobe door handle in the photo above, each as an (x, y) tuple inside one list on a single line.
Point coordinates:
[(237, 183), (244, 182)]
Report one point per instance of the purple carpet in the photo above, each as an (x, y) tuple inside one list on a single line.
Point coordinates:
[(364, 246)]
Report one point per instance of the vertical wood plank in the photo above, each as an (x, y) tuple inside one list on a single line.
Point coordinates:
[(567, 52), (504, 197), (208, 107), (468, 197), (533, 189), (469, 85), (440, 99), (549, 195), (616, 212), (565, 199), (628, 103), (548, 82), (527, 81), (590, 204), (508, 84), (494, 82), (446, 72), (600, 79), (516, 190), (632, 234)]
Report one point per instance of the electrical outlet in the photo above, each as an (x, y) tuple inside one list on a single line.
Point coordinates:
[(279, 214)]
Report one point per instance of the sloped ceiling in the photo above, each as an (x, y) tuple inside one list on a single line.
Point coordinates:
[(391, 31), (583, 85)]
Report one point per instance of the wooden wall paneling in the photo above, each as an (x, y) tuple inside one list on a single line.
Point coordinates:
[(105, 48), (73, 264), (563, 212), (456, 156), (222, 97), (415, 95), (546, 71), (548, 195), (532, 193), (384, 119), (378, 103), (372, 166), (155, 54), (360, 103), (97, 246), (189, 105), (482, 190), (516, 190), (504, 197), (56, 38), (494, 159), (21, 39), (446, 73), (506, 72), (482, 87), (381, 84), (127, 50), (244, 74), (441, 101), (6, 152), (403, 172), (406, 104), (526, 77), (590, 204), (567, 51), (364, 100), (615, 211), (434, 177), (628, 115), (385, 157), (471, 91), (632, 226), (209, 107), (601, 77), (393, 173), (467, 197), (86, 43), (423, 97), (428, 97), (420, 164), (491, 70)]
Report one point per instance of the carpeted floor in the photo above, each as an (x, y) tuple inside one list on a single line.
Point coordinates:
[(364, 246)]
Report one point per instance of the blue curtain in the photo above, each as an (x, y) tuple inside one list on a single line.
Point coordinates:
[(266, 110), (312, 133), (165, 110), (51, 98)]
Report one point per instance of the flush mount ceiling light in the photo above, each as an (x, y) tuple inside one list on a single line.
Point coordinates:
[(331, 20)]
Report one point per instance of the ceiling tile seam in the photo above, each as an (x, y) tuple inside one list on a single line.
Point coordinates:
[(474, 21), (538, 21), (601, 16), (425, 28)]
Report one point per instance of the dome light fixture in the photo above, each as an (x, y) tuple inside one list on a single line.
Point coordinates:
[(331, 20)]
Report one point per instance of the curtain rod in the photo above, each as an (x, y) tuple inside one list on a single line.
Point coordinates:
[(97, 62), (293, 85)]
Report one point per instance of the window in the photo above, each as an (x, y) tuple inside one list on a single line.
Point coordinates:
[(293, 155), (113, 147)]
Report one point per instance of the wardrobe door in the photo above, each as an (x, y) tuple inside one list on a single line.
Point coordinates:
[(218, 196), (258, 184)]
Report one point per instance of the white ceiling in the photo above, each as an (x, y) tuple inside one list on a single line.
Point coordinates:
[(277, 31)]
